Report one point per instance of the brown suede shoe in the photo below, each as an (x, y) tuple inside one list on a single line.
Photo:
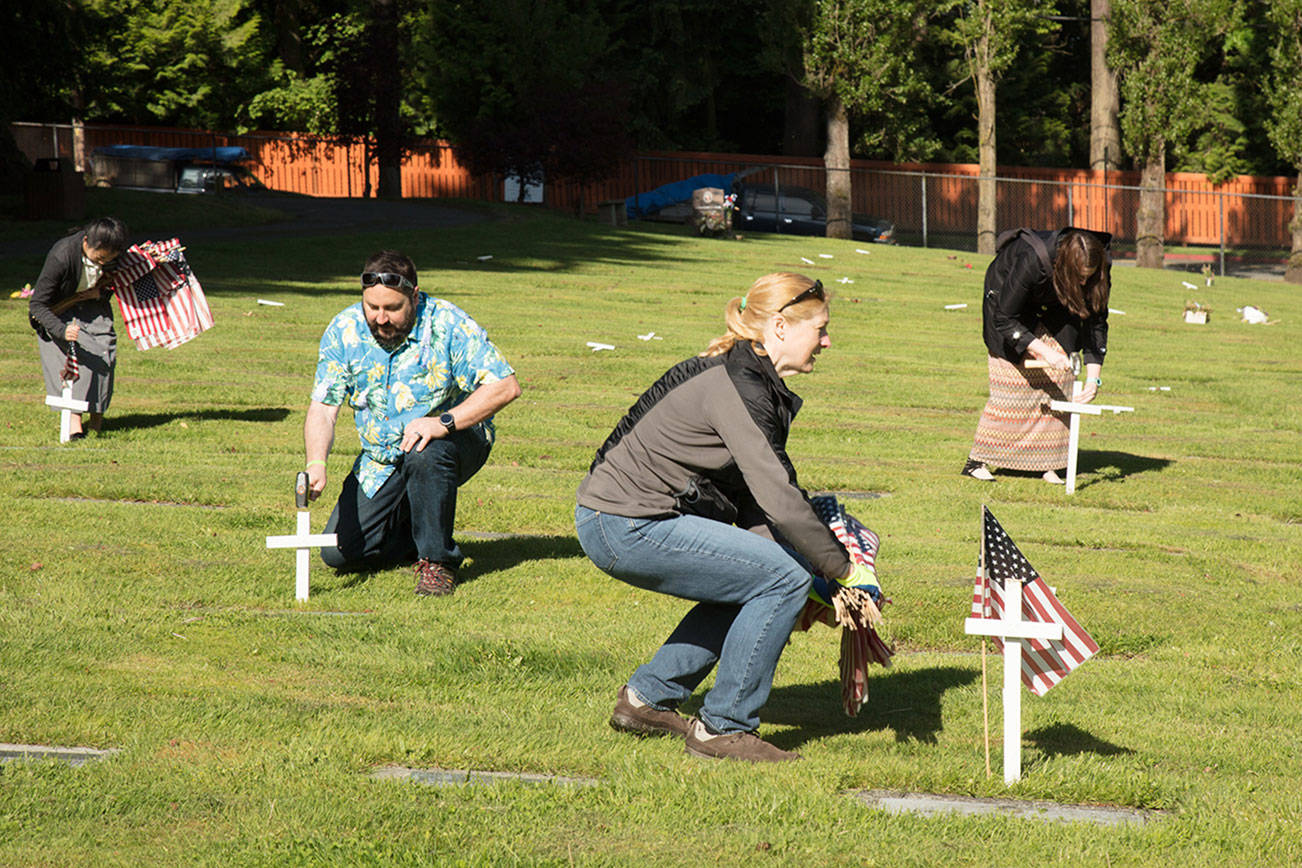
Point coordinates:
[(644, 719), (745, 746), (434, 579)]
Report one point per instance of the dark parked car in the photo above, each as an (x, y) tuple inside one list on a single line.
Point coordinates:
[(799, 211)]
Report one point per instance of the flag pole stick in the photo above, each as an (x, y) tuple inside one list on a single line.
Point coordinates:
[(985, 706), (985, 613)]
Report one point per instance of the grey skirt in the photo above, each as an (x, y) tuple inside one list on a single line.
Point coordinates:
[(97, 356)]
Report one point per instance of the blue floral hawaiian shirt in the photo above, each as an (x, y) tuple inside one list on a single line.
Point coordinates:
[(445, 358)]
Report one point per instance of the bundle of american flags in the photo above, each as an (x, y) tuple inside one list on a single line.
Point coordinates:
[(161, 301), (860, 644), (1044, 662)]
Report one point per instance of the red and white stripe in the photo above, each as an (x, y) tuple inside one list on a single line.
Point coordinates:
[(1044, 662), (180, 310)]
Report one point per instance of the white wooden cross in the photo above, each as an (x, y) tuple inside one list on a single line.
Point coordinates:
[(1012, 630), (1075, 408), (69, 405), (303, 540)]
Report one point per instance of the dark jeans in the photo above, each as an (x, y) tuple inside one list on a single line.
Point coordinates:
[(411, 515)]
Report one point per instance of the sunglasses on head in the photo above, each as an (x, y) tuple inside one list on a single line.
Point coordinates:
[(389, 279), (815, 291)]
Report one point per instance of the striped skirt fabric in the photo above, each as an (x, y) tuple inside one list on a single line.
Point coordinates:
[(1017, 430)]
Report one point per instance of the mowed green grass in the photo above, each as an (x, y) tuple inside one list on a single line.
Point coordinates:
[(140, 610)]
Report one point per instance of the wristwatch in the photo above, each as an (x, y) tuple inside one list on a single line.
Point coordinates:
[(448, 422)]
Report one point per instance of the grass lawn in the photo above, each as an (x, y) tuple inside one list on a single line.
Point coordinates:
[(140, 610)]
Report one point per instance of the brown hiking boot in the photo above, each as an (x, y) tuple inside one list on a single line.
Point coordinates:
[(644, 719), (434, 579), (745, 746)]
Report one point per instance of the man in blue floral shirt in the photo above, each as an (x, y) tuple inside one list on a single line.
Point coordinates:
[(424, 382)]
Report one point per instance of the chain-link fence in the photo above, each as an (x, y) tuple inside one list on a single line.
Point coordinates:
[(1234, 227), (1241, 226)]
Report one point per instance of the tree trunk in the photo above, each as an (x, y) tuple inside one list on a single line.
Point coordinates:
[(289, 42), (836, 160), (1150, 220), (800, 136), (1293, 273), (388, 96), (987, 191), (1105, 98)]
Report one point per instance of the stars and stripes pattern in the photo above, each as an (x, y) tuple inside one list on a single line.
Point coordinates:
[(71, 369), (858, 647), (1044, 663), (860, 542), (160, 299)]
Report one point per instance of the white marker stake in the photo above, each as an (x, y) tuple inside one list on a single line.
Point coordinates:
[(1012, 630), (302, 541), (68, 405), (1073, 438)]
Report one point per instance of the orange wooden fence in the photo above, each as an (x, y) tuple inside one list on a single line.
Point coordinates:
[(929, 199)]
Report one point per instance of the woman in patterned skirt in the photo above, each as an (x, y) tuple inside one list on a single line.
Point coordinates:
[(1046, 297)]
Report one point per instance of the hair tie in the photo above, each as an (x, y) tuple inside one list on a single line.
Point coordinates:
[(742, 307)]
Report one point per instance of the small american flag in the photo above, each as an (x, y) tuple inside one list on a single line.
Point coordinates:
[(71, 370), (1044, 662), (858, 647), (161, 301)]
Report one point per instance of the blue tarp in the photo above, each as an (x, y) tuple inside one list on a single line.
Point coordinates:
[(221, 155), (670, 194)]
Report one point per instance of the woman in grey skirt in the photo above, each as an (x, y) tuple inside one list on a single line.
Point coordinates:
[(70, 307)]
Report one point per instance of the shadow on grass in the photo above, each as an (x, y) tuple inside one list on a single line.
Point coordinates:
[(1065, 739), (492, 556), (905, 702), (1111, 466), (135, 421), (483, 558)]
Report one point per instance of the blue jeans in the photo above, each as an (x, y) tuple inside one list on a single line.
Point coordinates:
[(411, 515), (749, 592)]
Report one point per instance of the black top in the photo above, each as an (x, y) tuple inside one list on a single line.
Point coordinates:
[(58, 281), (1019, 297)]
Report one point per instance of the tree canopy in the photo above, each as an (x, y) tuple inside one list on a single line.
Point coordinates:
[(589, 75)]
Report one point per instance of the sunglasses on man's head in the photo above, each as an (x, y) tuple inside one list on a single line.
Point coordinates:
[(389, 279), (815, 291)]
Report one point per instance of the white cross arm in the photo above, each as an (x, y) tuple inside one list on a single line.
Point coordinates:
[(1089, 409), (67, 403), (301, 541), (1012, 629)]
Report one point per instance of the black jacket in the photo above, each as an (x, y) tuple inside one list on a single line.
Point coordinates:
[(1019, 297), (709, 438), (58, 281)]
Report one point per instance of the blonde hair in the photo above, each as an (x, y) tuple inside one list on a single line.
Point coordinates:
[(746, 316)]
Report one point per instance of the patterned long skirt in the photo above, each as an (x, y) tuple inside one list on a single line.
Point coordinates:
[(1017, 430)]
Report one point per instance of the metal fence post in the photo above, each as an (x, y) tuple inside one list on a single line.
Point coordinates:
[(777, 202), (1220, 201), (1071, 211), (924, 209)]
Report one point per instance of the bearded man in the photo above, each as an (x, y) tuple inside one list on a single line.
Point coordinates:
[(424, 382)]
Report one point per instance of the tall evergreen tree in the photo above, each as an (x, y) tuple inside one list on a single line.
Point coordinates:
[(860, 59), (190, 63), (1155, 46), (1284, 87), (990, 33), (525, 88)]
